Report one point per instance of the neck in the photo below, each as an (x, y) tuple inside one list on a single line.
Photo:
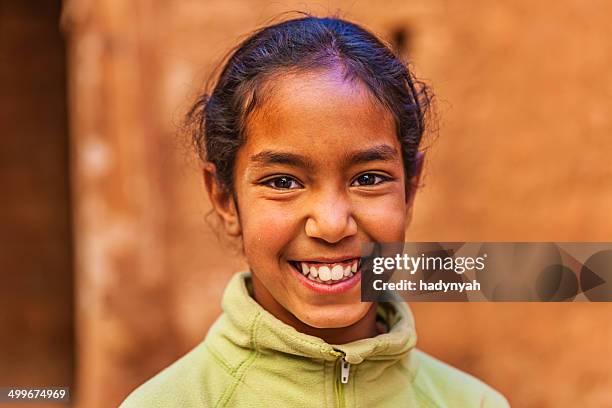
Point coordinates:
[(364, 328)]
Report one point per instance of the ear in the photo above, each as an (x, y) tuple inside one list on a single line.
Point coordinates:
[(222, 200), (414, 185)]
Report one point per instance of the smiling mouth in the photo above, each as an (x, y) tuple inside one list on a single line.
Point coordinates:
[(327, 273)]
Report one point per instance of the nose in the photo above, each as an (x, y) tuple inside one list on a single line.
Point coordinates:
[(330, 217)]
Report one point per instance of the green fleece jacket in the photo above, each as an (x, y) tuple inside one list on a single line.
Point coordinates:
[(251, 359)]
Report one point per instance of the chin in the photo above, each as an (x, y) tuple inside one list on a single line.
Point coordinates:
[(335, 316)]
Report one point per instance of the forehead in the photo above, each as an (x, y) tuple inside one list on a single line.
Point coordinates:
[(319, 111)]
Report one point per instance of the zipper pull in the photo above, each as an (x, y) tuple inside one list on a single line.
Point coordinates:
[(345, 369)]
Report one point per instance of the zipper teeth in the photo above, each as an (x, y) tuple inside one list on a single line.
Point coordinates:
[(340, 380)]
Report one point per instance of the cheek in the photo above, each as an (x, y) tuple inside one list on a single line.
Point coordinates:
[(266, 231), (384, 221)]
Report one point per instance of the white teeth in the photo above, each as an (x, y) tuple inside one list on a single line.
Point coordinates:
[(337, 272), (325, 273), (328, 273), (347, 270)]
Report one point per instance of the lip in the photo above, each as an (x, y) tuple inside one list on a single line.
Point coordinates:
[(327, 289), (336, 259)]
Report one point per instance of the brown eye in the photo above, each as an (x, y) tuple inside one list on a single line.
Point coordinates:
[(369, 179), (282, 183)]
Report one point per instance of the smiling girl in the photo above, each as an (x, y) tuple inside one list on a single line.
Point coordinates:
[(310, 143)]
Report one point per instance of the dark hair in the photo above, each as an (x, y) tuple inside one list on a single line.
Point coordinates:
[(310, 43)]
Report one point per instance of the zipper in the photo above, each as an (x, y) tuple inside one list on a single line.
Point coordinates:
[(343, 369)]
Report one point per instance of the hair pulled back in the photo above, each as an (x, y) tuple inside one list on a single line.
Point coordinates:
[(305, 44)]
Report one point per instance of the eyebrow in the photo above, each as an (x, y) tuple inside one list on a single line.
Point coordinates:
[(270, 157), (381, 152)]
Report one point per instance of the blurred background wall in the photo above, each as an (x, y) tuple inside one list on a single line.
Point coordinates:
[(103, 226), (36, 268)]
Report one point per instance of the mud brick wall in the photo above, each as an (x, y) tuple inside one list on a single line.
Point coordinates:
[(36, 274), (522, 155)]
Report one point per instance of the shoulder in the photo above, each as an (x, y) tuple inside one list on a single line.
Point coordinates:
[(182, 384), (443, 384)]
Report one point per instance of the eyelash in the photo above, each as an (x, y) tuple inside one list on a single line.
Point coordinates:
[(381, 177), (268, 182)]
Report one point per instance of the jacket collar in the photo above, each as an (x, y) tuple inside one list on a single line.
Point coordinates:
[(256, 328)]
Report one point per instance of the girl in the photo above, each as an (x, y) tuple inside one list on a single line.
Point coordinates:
[(310, 144)]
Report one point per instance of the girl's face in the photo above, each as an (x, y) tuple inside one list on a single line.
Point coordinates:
[(321, 172)]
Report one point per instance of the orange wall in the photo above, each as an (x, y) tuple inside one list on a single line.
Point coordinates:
[(521, 155), (36, 325)]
